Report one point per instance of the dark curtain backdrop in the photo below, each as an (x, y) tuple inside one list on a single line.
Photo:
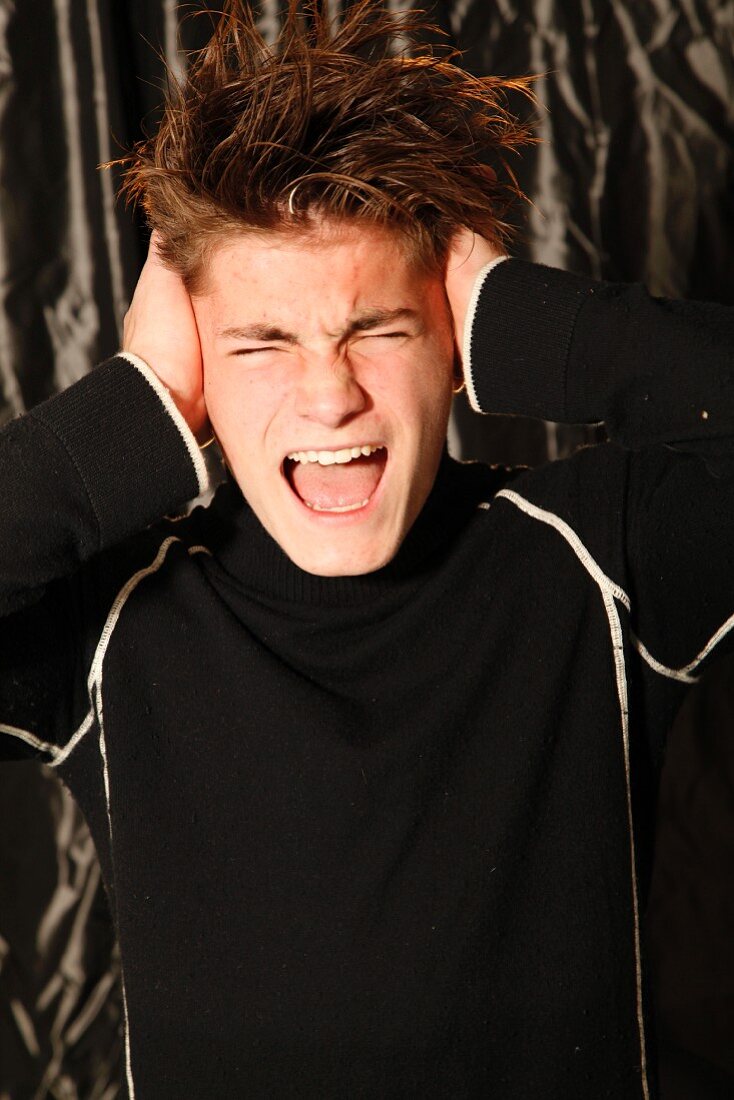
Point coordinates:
[(632, 180)]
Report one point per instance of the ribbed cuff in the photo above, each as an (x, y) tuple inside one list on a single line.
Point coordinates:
[(520, 339), (128, 450), (469, 325), (169, 404)]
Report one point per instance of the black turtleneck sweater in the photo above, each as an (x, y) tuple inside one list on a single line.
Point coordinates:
[(383, 836)]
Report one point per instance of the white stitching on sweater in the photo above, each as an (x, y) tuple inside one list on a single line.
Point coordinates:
[(471, 390), (186, 434), (29, 738), (573, 540), (615, 629), (681, 674), (61, 753), (95, 672), (684, 673), (94, 684), (72, 743), (609, 592)]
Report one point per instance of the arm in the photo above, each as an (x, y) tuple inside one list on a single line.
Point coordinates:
[(660, 375), (80, 473)]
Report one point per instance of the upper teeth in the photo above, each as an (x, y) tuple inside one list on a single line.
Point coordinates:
[(329, 458)]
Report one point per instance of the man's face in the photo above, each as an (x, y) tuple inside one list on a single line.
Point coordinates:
[(327, 376)]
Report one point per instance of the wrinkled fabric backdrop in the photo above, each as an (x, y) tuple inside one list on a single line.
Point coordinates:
[(632, 180)]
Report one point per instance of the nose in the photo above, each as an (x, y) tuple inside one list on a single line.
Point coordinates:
[(328, 392)]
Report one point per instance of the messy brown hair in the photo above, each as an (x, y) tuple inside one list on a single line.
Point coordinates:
[(330, 123)]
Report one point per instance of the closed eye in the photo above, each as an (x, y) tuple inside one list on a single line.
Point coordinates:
[(381, 335), (253, 351)]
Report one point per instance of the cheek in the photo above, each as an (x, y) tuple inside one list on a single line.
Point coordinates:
[(230, 390), (221, 389), (422, 377), (224, 403), (237, 408), (431, 391)]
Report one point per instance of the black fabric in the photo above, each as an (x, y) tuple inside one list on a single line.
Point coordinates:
[(351, 805), (530, 383), (370, 835), (690, 913), (142, 439), (611, 371), (632, 180)]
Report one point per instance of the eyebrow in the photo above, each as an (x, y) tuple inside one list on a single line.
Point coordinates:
[(363, 322), (266, 333), (377, 318)]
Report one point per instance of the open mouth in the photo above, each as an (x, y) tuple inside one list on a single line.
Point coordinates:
[(338, 481)]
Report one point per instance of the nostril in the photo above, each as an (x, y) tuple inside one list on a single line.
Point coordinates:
[(332, 408)]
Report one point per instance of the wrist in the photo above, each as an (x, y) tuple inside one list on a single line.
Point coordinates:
[(464, 337), (193, 411)]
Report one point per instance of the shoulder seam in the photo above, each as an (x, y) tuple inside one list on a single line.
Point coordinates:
[(685, 673), (29, 739), (62, 753), (609, 592), (582, 553)]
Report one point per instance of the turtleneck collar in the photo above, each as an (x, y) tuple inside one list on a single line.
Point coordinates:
[(254, 561)]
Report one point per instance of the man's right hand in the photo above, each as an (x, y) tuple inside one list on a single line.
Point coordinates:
[(160, 328)]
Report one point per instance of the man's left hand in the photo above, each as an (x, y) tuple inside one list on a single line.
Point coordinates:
[(468, 254)]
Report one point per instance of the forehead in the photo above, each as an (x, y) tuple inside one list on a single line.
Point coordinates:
[(332, 260)]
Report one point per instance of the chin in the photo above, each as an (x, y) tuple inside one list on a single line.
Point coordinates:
[(341, 561), (337, 544)]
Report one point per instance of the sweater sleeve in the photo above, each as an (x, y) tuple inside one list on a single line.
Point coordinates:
[(660, 375), (78, 474)]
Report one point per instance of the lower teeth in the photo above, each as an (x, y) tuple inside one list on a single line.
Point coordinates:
[(344, 508)]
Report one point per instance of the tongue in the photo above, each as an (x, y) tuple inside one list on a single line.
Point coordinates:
[(340, 485)]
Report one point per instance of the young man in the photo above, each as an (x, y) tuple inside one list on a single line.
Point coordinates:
[(369, 745)]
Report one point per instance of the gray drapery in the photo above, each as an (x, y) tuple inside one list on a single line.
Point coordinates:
[(632, 180)]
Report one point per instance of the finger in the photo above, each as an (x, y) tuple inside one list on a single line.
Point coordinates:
[(461, 246), (155, 258)]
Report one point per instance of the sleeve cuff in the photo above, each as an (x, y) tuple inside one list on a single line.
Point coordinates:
[(518, 337), (468, 329), (130, 446), (173, 411)]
